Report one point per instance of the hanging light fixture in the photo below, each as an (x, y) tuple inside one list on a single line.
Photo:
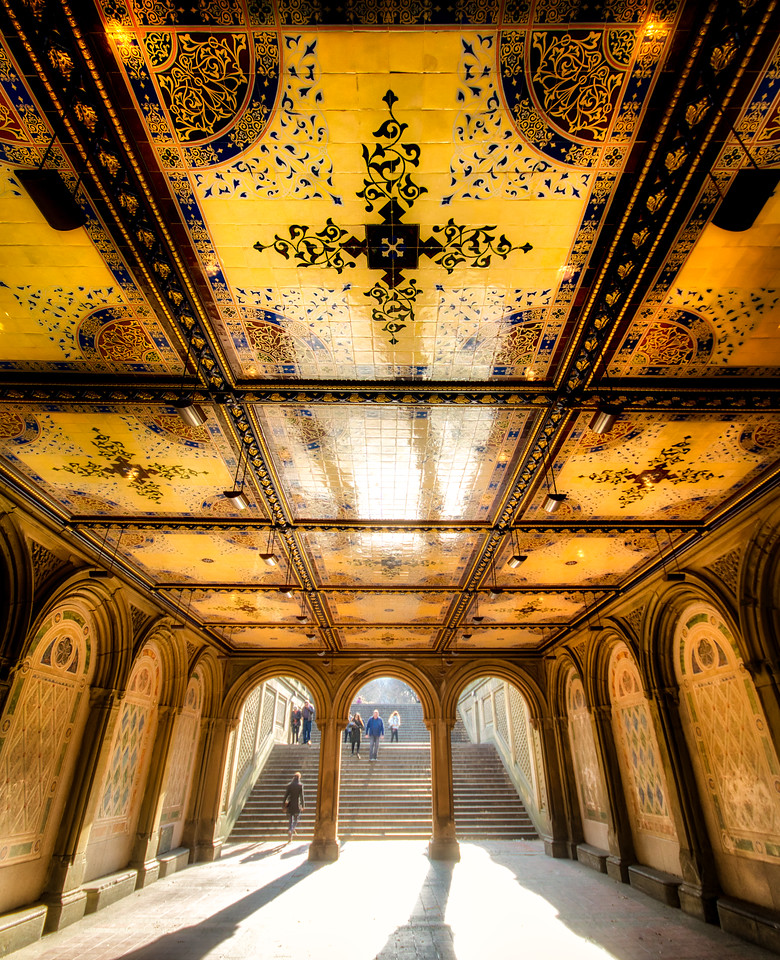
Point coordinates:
[(51, 195), (286, 592), (302, 617), (552, 502), (495, 590), (670, 576), (604, 418), (191, 413), (476, 618), (236, 496), (100, 573), (517, 558)]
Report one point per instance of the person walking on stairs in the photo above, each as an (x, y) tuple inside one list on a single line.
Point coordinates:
[(395, 723), (293, 803), (354, 734), (295, 723), (375, 731), (308, 716)]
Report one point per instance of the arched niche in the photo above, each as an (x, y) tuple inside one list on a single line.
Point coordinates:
[(591, 793), (303, 672), (40, 730), (183, 751), (734, 760), (641, 768), (121, 791), (16, 585), (460, 676)]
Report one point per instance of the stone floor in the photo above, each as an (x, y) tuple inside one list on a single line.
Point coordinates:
[(387, 901)]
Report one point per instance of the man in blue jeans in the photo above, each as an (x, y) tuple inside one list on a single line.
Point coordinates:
[(375, 731), (308, 715)]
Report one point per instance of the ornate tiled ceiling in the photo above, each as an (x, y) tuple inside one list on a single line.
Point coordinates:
[(397, 254)]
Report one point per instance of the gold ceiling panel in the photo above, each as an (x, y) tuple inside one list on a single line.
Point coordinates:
[(661, 466), (246, 606), (198, 556), (482, 638), (516, 608), (382, 639), (390, 558), (389, 607), (109, 461), (393, 462), (256, 638)]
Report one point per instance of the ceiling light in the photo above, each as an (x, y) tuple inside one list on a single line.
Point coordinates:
[(495, 593), (311, 636), (239, 500), (269, 558), (176, 626), (552, 502), (477, 619), (191, 413), (302, 618), (674, 577), (604, 418), (98, 574), (466, 636), (50, 194), (286, 592), (516, 559)]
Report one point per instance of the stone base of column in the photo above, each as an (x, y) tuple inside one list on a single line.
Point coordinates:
[(557, 848), (148, 872), (207, 852), (63, 910), (444, 850), (694, 901), (617, 868), (324, 851)]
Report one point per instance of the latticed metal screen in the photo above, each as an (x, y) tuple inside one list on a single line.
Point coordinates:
[(228, 768), (502, 727), (266, 722), (520, 730), (281, 711), (248, 731), (487, 710)]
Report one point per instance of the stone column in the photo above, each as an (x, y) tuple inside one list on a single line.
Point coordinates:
[(443, 844), (621, 840), (700, 887), (201, 831), (325, 845), (556, 845), (569, 797), (765, 675), (147, 837), (63, 896)]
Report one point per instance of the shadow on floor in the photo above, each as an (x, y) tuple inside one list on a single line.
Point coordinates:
[(197, 940)]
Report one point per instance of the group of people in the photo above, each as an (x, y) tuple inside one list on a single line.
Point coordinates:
[(293, 803), (302, 715), (374, 729)]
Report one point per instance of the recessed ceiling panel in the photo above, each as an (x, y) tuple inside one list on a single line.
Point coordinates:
[(245, 606), (382, 639), (138, 461), (661, 466), (389, 606), (391, 558), (253, 638), (393, 462), (195, 556), (488, 638), (560, 558), (518, 608), (413, 203)]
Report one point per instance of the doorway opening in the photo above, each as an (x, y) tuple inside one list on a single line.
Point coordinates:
[(498, 784), (263, 754), (389, 796)]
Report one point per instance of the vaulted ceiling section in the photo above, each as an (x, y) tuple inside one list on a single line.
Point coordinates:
[(397, 254)]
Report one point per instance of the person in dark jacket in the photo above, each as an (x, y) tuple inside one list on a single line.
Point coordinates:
[(375, 731), (354, 733), (295, 723), (293, 803), (308, 715)]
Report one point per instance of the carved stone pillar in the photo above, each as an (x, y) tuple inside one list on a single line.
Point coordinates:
[(556, 845), (571, 804), (700, 887), (325, 845), (147, 837), (201, 831), (621, 841), (66, 902), (443, 844)]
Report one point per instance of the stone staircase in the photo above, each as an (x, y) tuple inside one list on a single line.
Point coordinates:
[(390, 799)]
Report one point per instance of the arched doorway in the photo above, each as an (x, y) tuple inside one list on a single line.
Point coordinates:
[(389, 797), (499, 790), (264, 752)]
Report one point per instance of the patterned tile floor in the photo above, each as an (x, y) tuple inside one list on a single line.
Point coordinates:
[(388, 901)]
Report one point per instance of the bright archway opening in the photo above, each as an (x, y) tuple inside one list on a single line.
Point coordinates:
[(498, 783), (270, 743), (389, 796)]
